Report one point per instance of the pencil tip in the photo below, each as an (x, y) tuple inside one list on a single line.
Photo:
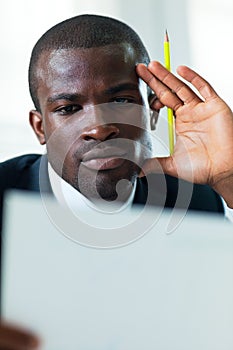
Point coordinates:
[(166, 36)]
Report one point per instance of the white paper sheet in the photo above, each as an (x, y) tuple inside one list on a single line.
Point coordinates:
[(161, 292)]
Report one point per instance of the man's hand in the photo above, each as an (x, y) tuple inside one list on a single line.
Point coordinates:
[(14, 338), (204, 129)]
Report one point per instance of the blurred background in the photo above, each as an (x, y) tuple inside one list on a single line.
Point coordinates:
[(200, 32)]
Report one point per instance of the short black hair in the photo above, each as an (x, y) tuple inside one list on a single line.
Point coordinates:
[(83, 31)]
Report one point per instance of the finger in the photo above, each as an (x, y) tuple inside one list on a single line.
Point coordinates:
[(157, 105), (203, 87), (163, 93), (13, 338), (154, 103), (183, 91)]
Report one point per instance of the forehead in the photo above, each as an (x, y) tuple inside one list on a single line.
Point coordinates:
[(112, 62)]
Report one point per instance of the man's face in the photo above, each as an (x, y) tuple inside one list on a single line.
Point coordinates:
[(92, 117)]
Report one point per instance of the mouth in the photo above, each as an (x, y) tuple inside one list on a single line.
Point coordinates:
[(104, 159)]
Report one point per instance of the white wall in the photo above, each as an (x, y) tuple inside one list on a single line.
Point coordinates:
[(200, 31), (210, 29), (21, 24)]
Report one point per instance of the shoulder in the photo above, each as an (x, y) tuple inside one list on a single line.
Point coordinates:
[(199, 197), (20, 162), (16, 172), (164, 190)]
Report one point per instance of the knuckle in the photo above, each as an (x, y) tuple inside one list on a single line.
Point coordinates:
[(163, 93), (177, 106)]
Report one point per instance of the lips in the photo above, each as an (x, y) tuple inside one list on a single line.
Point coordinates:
[(104, 159)]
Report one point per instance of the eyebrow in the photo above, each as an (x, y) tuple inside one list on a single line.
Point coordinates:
[(121, 87), (62, 96), (110, 91)]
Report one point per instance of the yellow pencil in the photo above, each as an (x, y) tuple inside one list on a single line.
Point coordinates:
[(169, 110)]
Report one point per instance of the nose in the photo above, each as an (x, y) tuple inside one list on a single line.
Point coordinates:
[(101, 132)]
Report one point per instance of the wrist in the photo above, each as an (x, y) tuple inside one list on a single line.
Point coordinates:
[(225, 189)]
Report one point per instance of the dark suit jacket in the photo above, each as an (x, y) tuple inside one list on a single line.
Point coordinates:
[(30, 172)]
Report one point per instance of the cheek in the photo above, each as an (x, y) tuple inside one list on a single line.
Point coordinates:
[(60, 144), (48, 130), (144, 143), (64, 159), (138, 133), (139, 143), (49, 126)]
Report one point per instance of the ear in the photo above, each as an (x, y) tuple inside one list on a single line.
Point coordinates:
[(153, 119), (154, 112), (36, 122), (152, 99)]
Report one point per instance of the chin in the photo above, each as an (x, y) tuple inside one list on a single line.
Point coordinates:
[(104, 184)]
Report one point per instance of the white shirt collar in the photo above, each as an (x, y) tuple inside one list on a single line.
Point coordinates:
[(74, 200)]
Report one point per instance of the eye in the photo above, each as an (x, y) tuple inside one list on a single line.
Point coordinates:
[(123, 100), (69, 109)]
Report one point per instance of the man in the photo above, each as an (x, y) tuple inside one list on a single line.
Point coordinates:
[(93, 85)]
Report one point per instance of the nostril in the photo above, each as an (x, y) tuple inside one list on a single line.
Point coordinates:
[(87, 137), (101, 133), (113, 134)]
